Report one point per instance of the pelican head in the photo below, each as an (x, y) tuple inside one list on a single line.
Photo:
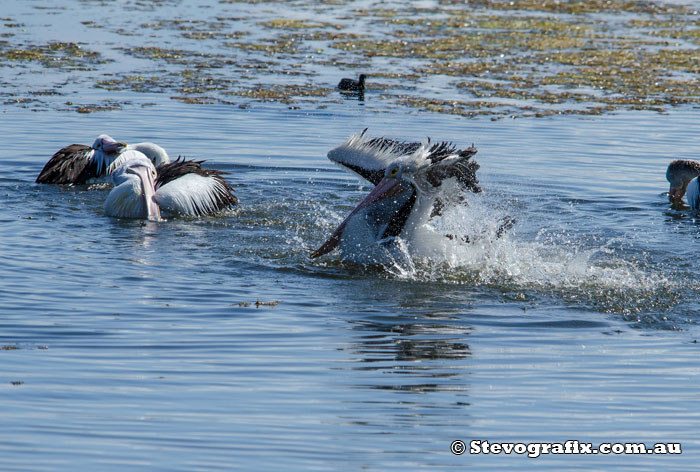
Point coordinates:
[(382, 214), (133, 195), (107, 144), (679, 174), (155, 153)]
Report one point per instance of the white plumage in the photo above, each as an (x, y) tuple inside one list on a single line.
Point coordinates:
[(373, 154), (191, 195), (78, 164), (179, 188), (134, 193), (156, 154)]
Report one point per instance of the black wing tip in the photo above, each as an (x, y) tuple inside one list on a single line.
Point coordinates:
[(468, 152), (69, 165), (444, 149)]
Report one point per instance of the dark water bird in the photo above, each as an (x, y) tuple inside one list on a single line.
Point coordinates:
[(352, 85), (78, 164), (683, 176), (408, 177), (182, 187)]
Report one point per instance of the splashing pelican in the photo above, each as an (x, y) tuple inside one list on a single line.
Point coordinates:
[(181, 187), (683, 177), (407, 179)]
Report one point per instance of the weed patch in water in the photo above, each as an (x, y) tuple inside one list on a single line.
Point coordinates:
[(59, 55), (496, 57)]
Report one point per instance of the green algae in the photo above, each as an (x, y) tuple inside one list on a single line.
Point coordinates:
[(92, 108), (194, 100), (281, 93), (275, 46), (70, 56), (494, 58), (285, 23), (577, 7)]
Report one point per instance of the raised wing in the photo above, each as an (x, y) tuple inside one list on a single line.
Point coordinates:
[(449, 162), (70, 165), (369, 158)]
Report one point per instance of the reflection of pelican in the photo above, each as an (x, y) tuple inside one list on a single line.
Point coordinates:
[(683, 177), (407, 179), (181, 187), (78, 164), (420, 355)]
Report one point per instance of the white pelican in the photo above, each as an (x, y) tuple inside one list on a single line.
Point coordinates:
[(185, 188), (78, 164), (179, 188), (683, 177), (407, 179), (134, 192)]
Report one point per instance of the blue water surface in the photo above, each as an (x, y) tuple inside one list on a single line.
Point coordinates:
[(218, 344)]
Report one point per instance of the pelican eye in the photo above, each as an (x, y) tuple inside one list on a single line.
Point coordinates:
[(394, 171), (153, 173)]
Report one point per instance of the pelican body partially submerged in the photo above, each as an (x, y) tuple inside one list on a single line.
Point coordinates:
[(141, 190), (134, 192), (683, 176), (408, 178), (182, 187), (78, 164)]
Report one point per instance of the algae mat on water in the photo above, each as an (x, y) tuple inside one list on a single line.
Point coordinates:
[(493, 58)]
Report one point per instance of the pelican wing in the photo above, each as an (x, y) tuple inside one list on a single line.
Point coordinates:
[(444, 150), (369, 158), (186, 188), (449, 162), (70, 165)]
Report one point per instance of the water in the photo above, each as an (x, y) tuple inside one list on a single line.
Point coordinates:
[(140, 345)]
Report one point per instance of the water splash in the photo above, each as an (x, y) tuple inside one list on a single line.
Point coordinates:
[(464, 246)]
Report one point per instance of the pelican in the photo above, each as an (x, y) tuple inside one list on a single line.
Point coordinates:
[(134, 192), (408, 177), (185, 188), (181, 187), (78, 164), (683, 177)]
